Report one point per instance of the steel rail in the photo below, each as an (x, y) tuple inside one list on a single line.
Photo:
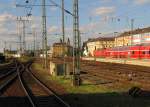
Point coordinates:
[(8, 73), (8, 82), (49, 90), (25, 87)]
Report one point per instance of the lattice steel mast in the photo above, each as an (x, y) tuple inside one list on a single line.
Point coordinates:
[(44, 33), (23, 48), (63, 22), (76, 43)]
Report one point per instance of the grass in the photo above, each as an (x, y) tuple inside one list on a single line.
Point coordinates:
[(88, 95), (84, 88), (67, 84), (5, 63), (24, 59)]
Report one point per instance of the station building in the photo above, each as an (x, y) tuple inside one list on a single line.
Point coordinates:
[(98, 43), (136, 37), (60, 49), (141, 36), (123, 39)]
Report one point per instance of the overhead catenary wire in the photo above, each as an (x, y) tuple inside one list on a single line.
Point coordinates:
[(57, 5)]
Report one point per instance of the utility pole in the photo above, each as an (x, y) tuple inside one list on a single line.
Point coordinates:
[(76, 43), (132, 24), (5, 48), (24, 41), (24, 34), (10, 47), (132, 27), (20, 38), (34, 41), (63, 36), (63, 22), (37, 48), (44, 29)]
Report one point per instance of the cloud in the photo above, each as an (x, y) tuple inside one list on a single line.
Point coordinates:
[(2, 29), (105, 1), (8, 5), (53, 29), (53, 8), (103, 10), (7, 17), (8, 23), (141, 2)]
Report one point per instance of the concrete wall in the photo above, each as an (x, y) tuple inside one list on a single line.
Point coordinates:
[(123, 61), (57, 69)]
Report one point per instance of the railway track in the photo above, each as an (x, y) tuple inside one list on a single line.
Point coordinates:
[(51, 92), (6, 78), (4, 70), (10, 70), (29, 84), (50, 99), (98, 71)]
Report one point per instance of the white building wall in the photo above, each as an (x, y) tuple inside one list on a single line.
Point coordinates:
[(141, 38)]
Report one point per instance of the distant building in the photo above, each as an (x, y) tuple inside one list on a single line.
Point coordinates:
[(11, 53), (136, 37), (60, 49), (96, 44), (123, 39), (141, 36)]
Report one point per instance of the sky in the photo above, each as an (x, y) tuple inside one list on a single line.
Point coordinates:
[(97, 18)]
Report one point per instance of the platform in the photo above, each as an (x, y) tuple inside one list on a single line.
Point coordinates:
[(119, 60)]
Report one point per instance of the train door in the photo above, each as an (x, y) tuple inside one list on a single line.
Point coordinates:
[(145, 52), (134, 52), (148, 52), (142, 52)]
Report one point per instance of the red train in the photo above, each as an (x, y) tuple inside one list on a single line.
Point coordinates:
[(134, 52)]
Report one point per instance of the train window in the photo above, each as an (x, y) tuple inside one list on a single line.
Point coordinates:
[(132, 52), (143, 52), (149, 51)]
